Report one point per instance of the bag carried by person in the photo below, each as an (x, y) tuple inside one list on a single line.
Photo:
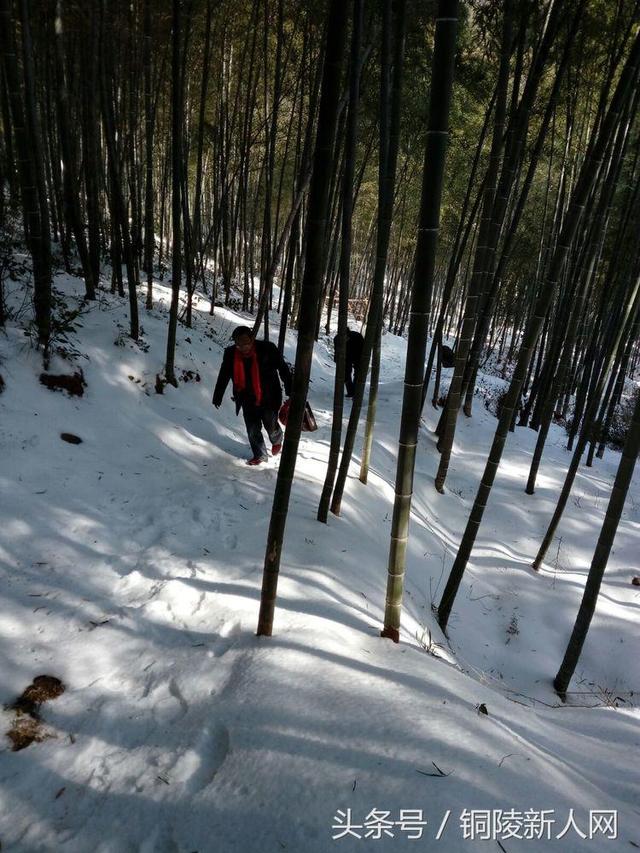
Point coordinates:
[(308, 419), (283, 414)]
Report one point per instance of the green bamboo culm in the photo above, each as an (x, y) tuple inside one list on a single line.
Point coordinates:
[(176, 204), (376, 298), (345, 261), (601, 554), (335, 42), (429, 224), (390, 102)]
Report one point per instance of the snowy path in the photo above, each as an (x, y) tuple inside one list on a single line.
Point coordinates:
[(130, 567)]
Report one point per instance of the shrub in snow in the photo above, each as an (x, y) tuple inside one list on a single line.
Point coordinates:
[(74, 383)]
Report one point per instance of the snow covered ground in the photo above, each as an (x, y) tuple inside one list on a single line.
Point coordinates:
[(130, 568)]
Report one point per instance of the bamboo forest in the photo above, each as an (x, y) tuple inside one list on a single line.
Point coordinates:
[(319, 420)]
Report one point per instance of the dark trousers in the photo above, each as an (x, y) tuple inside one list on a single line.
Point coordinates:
[(350, 377), (256, 417)]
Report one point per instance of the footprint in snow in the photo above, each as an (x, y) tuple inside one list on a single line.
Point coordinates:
[(230, 628), (206, 759), (231, 541), (175, 691), (227, 636), (163, 695)]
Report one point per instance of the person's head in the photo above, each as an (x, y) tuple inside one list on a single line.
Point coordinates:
[(243, 339)]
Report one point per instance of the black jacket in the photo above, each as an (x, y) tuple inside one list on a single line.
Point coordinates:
[(270, 364), (353, 351)]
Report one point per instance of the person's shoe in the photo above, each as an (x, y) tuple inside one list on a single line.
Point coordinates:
[(257, 460), (276, 448)]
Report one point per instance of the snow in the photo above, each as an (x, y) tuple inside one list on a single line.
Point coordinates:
[(131, 566)]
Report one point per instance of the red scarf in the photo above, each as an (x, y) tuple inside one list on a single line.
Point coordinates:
[(239, 378)]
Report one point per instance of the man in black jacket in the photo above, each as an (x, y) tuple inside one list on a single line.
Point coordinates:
[(254, 366), (353, 354)]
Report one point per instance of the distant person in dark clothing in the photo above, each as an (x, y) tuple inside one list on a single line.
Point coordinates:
[(354, 345), (254, 367), (448, 356)]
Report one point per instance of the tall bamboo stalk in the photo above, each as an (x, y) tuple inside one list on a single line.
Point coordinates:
[(434, 162), (176, 182), (345, 262), (335, 38)]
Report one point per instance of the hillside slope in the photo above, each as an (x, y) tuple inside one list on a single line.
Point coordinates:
[(130, 568)]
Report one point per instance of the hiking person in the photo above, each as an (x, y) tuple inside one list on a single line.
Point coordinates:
[(447, 355), (254, 366), (353, 354)]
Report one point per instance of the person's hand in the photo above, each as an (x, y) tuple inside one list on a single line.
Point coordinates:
[(217, 405)]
